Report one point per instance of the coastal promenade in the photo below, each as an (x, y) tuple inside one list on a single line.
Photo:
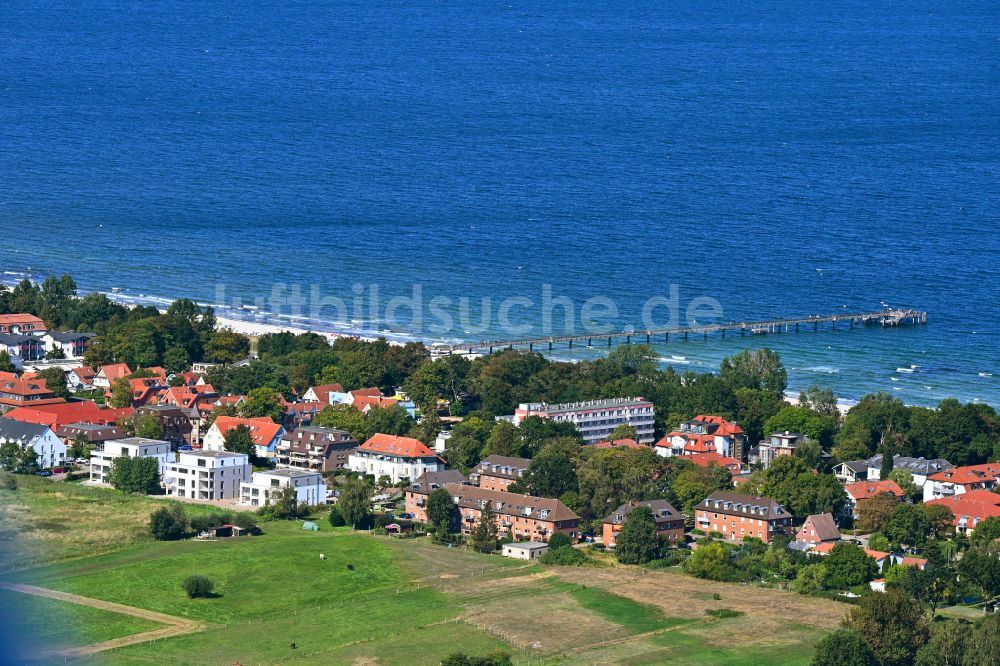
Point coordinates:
[(886, 317)]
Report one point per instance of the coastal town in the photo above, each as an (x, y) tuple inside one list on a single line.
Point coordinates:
[(880, 503)]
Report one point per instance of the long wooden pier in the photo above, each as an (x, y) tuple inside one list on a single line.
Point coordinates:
[(886, 317)]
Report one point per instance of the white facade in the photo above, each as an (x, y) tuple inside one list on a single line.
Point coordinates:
[(134, 447), (51, 450), (207, 475), (395, 467), (309, 486), (531, 550), (596, 419)]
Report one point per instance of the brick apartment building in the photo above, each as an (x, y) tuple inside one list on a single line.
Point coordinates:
[(498, 472), (522, 517), (736, 516), (669, 521)]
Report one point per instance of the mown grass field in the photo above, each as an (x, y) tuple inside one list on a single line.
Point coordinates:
[(375, 600)]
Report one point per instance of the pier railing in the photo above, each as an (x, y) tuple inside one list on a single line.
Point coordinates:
[(887, 317)]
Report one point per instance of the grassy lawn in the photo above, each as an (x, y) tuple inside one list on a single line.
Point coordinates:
[(375, 600), (45, 624), (46, 520)]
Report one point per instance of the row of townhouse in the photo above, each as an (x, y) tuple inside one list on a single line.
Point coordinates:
[(853, 471), (26, 339)]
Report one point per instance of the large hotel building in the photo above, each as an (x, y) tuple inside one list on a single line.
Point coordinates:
[(595, 419)]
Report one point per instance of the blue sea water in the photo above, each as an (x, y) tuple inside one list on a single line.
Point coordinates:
[(780, 158)]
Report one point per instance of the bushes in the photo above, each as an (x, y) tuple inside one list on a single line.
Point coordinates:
[(336, 517), (723, 613), (558, 540), (566, 556), (8, 481), (169, 523), (198, 586)]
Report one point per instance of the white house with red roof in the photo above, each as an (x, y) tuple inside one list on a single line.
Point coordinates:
[(959, 480), (865, 490), (265, 434), (970, 508), (394, 456), (704, 434), (328, 394), (108, 374)]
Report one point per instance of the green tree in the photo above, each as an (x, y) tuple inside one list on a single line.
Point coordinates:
[(844, 647), (946, 646), (692, 483), (81, 446), (908, 525), (821, 401), (847, 566), (169, 523), (55, 381), (225, 346), (198, 586), (144, 424), (6, 365), (551, 473), (121, 393), (982, 570), (284, 504), (504, 440), (261, 402), (486, 536), (811, 579), (802, 420), (441, 510), (710, 560), (792, 483), (335, 517), (981, 646), (986, 532), (904, 479), (638, 542), (894, 625), (498, 658), (874, 424), (240, 440), (135, 475), (756, 369), (355, 501), (875, 513), (18, 460), (623, 431)]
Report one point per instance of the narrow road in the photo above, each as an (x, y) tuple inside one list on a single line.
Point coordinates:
[(174, 626)]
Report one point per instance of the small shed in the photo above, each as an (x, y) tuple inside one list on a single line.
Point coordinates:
[(310, 525), (528, 550)]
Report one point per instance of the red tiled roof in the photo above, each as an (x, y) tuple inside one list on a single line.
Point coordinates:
[(33, 391), (704, 459), (323, 392), (405, 447), (362, 402), (967, 475), (22, 319), (85, 373), (726, 428), (262, 429), (628, 442), (114, 371), (981, 504), (56, 415), (867, 489), (371, 392)]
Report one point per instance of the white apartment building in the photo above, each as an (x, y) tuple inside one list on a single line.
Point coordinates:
[(595, 419), (135, 447), (207, 475), (51, 450), (395, 457), (309, 486)]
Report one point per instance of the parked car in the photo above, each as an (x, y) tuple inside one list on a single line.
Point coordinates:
[(184, 447), (43, 472), (59, 470)]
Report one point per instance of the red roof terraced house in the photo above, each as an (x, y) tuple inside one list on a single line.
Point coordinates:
[(396, 457), (669, 521), (705, 459), (521, 517), (322, 393), (735, 516), (865, 490), (704, 434), (959, 480), (266, 434), (57, 415), (20, 392), (22, 324), (970, 508), (108, 374), (418, 492)]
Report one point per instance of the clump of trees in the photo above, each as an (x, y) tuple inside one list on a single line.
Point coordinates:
[(135, 475), (18, 460), (171, 522)]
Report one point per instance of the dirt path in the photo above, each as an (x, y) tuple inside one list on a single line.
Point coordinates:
[(174, 626)]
